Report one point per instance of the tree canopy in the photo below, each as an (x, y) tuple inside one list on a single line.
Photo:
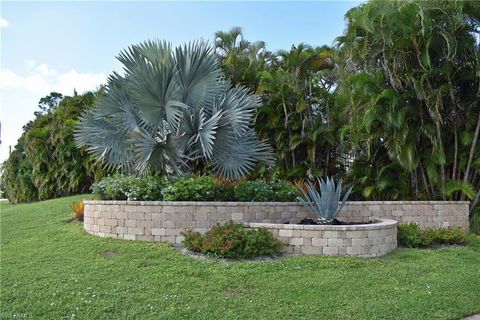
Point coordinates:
[(46, 163)]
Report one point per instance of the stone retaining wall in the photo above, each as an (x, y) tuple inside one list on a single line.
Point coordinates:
[(367, 240), (164, 221)]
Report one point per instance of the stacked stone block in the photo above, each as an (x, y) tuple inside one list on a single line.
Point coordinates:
[(368, 240), (164, 221)]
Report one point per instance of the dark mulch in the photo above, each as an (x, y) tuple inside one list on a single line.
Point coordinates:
[(334, 222)]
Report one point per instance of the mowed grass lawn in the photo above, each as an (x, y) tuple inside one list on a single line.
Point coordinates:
[(54, 270)]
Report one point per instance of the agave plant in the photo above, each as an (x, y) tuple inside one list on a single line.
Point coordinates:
[(170, 109), (324, 202)]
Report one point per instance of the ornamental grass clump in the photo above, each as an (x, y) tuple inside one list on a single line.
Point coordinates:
[(324, 202), (78, 208)]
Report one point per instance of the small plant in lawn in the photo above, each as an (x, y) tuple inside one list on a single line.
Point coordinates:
[(78, 209), (232, 241), (324, 202)]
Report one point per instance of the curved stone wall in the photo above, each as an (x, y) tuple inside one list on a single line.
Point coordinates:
[(364, 240), (164, 221)]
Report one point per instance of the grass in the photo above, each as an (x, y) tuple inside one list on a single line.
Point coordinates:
[(52, 270)]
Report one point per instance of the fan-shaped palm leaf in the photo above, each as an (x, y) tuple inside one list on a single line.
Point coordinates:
[(172, 108)]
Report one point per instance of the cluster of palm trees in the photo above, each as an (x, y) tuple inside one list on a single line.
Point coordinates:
[(298, 115), (393, 106)]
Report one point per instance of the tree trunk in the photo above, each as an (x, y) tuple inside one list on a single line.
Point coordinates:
[(454, 170), (472, 153), (425, 182), (475, 202)]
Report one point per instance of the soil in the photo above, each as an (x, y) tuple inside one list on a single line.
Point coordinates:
[(334, 222), (110, 254), (201, 256), (74, 221)]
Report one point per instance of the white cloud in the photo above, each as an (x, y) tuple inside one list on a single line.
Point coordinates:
[(20, 94), (45, 70), (42, 80), (33, 83), (80, 81), (3, 23), (31, 64)]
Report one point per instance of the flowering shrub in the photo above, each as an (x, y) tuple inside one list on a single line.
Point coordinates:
[(232, 241)]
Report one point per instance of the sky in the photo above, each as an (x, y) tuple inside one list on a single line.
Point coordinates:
[(62, 46)]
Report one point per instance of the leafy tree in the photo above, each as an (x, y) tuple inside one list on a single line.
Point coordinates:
[(173, 112), (410, 85), (45, 163), (241, 60), (17, 176), (298, 114)]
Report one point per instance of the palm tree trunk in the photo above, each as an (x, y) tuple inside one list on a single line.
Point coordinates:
[(440, 145), (425, 182), (475, 202), (454, 170), (472, 153)]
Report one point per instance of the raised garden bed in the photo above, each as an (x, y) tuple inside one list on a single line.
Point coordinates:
[(361, 240), (164, 221)]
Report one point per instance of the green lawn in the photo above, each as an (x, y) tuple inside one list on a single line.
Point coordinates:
[(51, 269)]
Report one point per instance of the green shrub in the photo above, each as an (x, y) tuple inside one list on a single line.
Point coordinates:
[(190, 189), (475, 221), (193, 188), (451, 236), (224, 192), (232, 241), (283, 191), (410, 236), (258, 191), (253, 191), (121, 187), (147, 189), (193, 240), (114, 187)]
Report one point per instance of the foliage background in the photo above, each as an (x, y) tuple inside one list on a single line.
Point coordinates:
[(45, 163), (393, 107)]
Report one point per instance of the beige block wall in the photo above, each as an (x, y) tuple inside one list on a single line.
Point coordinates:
[(427, 214), (368, 240), (164, 221)]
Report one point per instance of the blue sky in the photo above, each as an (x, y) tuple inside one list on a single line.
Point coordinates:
[(59, 46)]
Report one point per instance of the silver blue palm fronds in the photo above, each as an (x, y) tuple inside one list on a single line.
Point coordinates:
[(324, 202), (169, 108)]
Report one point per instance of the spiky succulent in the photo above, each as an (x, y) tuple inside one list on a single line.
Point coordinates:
[(170, 109), (324, 202)]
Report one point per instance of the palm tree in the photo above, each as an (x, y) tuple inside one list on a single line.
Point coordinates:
[(410, 85), (172, 112)]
